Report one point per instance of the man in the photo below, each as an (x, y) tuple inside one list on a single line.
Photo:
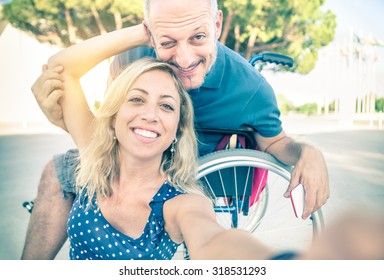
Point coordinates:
[(220, 83)]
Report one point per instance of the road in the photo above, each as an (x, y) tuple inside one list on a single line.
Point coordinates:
[(355, 159)]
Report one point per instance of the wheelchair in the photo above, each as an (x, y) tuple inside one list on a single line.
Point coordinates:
[(247, 186)]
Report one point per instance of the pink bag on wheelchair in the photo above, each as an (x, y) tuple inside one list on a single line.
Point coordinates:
[(260, 175)]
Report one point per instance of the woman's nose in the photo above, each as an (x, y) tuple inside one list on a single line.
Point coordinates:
[(150, 113)]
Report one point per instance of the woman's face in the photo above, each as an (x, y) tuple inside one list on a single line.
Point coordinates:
[(147, 121)]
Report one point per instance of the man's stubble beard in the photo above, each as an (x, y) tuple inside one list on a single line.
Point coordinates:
[(213, 57), (213, 60)]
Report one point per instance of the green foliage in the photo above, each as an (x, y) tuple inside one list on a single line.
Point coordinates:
[(65, 22), (3, 22), (286, 106), (308, 109), (379, 104), (297, 28)]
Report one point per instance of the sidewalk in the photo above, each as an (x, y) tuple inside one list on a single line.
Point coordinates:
[(28, 128), (301, 124), (292, 124)]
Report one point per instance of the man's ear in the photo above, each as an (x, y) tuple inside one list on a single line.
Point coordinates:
[(219, 23), (149, 34)]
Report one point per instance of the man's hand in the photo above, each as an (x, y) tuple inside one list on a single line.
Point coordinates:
[(311, 171), (48, 89)]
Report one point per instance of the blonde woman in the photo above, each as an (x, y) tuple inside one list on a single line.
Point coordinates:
[(141, 155)]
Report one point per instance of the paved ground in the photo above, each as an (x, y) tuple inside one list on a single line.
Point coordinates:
[(355, 157)]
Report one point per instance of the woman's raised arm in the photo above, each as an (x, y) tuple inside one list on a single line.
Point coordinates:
[(76, 61)]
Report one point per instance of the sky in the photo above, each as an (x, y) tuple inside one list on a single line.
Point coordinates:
[(329, 78), (21, 58), (362, 15)]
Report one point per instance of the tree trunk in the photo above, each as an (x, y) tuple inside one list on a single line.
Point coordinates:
[(227, 26), (251, 43), (71, 27), (98, 20), (118, 20), (237, 37)]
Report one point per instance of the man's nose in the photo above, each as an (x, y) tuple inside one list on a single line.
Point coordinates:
[(184, 56)]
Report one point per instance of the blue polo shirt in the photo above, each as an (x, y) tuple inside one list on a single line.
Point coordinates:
[(234, 94)]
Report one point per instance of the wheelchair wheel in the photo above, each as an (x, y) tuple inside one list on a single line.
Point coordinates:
[(226, 174)]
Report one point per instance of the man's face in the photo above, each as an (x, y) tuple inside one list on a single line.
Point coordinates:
[(184, 34)]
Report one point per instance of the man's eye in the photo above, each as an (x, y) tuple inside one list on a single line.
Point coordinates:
[(199, 37), (167, 44)]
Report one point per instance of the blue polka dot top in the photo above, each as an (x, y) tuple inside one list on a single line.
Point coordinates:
[(93, 238)]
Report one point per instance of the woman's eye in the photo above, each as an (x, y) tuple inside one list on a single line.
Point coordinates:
[(135, 100), (168, 107)]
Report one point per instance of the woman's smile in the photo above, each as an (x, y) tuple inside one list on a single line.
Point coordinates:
[(146, 133)]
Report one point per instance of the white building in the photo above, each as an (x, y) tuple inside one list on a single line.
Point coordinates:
[(21, 59)]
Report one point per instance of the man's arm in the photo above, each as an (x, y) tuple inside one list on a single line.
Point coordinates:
[(309, 168)]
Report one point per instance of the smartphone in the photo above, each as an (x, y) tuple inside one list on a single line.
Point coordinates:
[(298, 198)]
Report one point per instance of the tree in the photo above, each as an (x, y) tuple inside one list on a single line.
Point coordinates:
[(286, 106), (65, 22), (3, 22), (379, 104), (297, 28)]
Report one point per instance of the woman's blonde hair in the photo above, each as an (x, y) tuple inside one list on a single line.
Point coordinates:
[(99, 163)]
